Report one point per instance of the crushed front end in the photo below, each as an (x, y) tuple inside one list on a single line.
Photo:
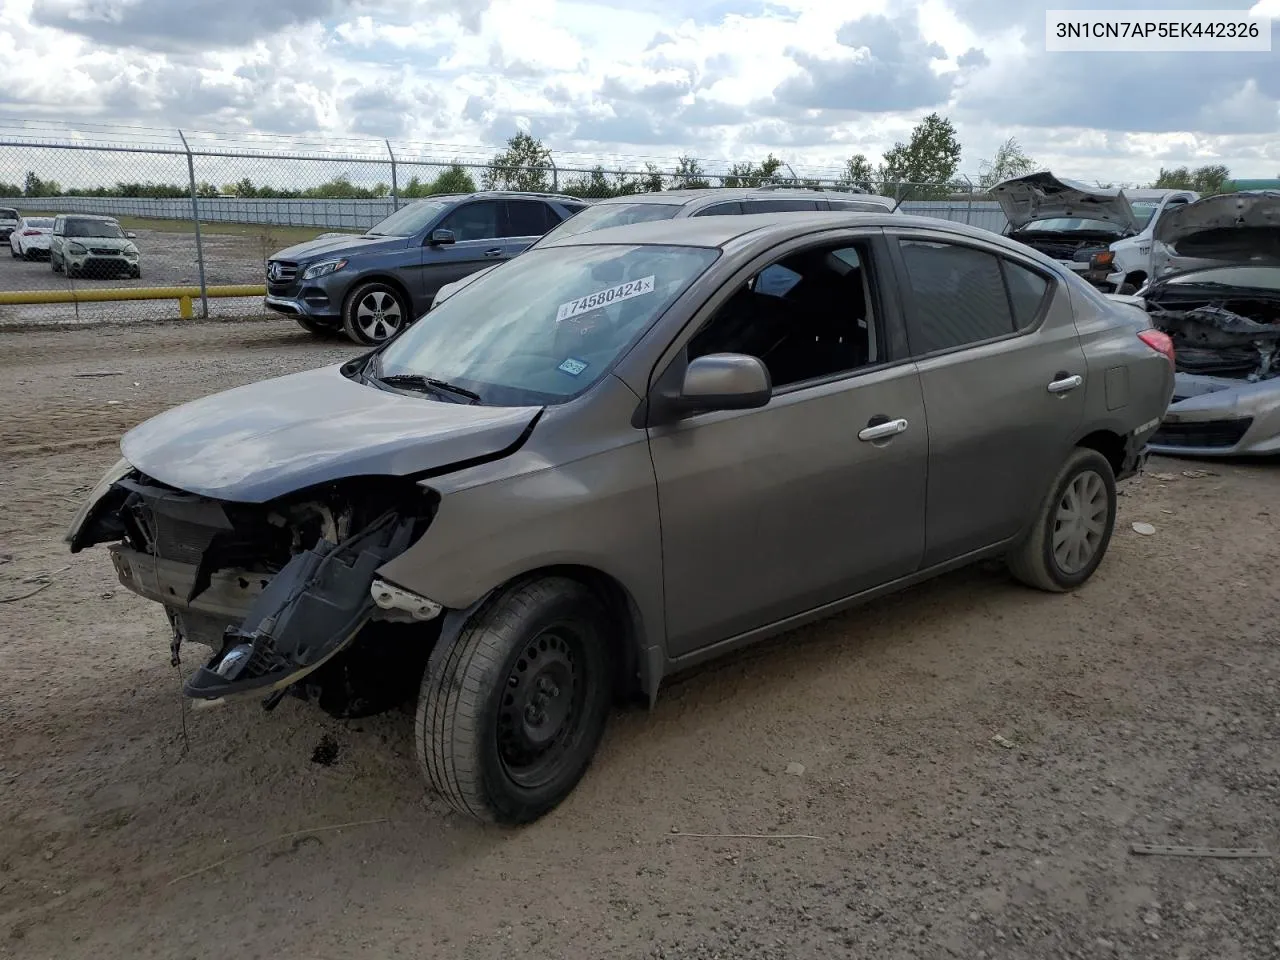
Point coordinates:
[(279, 591)]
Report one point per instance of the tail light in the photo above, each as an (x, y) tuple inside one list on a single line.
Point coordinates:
[(1159, 342), (31, 233)]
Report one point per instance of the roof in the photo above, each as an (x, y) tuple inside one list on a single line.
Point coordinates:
[(88, 216), (708, 195), (719, 232), (498, 194)]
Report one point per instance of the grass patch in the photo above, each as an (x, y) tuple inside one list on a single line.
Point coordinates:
[(271, 234)]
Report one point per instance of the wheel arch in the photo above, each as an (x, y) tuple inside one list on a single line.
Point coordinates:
[(1110, 444), (638, 664), (380, 276)]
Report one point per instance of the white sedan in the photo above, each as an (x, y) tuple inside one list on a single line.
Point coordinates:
[(30, 238)]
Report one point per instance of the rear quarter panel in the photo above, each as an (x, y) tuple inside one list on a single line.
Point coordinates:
[(1129, 385)]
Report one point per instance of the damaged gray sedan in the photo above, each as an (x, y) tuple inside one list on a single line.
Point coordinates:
[(625, 453), (1219, 301)]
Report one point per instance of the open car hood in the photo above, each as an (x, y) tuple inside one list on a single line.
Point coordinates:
[(1039, 196), (264, 440), (1210, 224)]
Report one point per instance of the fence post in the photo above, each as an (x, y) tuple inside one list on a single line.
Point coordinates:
[(555, 173), (395, 190), (195, 218), (968, 214)]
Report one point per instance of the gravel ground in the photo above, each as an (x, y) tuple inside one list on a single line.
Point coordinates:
[(1144, 708)]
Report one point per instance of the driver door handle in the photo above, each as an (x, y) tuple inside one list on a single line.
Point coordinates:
[(882, 431), (1065, 383)]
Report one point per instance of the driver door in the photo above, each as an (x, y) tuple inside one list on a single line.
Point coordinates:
[(478, 228), (773, 512)]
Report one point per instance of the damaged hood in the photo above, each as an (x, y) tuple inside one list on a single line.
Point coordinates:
[(264, 440), (1041, 196), (1213, 221)]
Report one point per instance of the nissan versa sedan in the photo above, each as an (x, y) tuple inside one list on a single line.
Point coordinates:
[(625, 453)]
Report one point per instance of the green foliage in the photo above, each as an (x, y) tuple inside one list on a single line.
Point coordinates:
[(1009, 161), (455, 179), (689, 175), (524, 165), (10, 189), (859, 173), (33, 186), (1208, 180), (926, 163), (750, 175)]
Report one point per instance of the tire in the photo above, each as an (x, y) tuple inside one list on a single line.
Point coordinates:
[(544, 644), (136, 274), (373, 313), (1085, 478), (72, 272), (55, 264), (314, 328), (13, 251)]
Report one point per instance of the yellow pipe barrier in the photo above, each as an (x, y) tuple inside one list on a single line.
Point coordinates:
[(184, 295)]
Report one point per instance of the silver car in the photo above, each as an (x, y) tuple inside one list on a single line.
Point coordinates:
[(622, 454), (90, 246)]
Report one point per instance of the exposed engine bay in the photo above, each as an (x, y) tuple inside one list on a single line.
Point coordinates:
[(1225, 336), (1073, 246), (280, 591)]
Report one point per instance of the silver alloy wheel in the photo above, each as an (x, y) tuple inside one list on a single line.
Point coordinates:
[(1081, 522), (378, 315)]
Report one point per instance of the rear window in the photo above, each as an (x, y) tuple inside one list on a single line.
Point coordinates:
[(39, 221)]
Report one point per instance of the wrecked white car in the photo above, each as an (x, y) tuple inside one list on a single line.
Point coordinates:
[(1069, 221), (1222, 311)]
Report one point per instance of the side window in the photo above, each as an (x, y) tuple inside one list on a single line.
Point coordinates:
[(806, 316), (527, 218), (57, 225), (858, 206), (730, 208), (780, 205), (957, 296), (1027, 293), (474, 221)]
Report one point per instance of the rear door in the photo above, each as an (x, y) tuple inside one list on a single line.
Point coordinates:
[(478, 227), (1002, 372)]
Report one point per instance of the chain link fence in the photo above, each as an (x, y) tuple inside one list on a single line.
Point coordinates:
[(194, 218)]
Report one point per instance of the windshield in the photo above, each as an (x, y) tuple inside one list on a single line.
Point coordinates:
[(6, 213), (409, 221), (610, 215), (93, 228), (1072, 225), (1257, 278), (548, 325), (1144, 210)]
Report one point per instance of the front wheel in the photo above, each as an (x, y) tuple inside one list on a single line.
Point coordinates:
[(55, 264), (374, 313), (1073, 526), (509, 720)]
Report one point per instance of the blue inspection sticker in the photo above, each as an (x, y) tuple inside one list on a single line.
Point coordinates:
[(573, 366)]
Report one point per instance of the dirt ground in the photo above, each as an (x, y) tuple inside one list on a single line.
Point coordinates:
[(1144, 709)]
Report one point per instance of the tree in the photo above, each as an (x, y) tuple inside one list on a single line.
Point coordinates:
[(524, 165), (1210, 179), (859, 173), (689, 175), (594, 184), (455, 179), (10, 189), (750, 175), (33, 186), (1009, 161), (930, 157)]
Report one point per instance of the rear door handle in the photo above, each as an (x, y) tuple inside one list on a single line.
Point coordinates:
[(1065, 384), (882, 431), (493, 252)]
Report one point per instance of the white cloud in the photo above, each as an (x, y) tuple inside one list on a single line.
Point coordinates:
[(810, 80)]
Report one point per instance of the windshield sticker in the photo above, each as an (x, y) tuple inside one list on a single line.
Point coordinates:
[(573, 366), (623, 291)]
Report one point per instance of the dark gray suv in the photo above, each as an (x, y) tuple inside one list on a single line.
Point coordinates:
[(370, 286)]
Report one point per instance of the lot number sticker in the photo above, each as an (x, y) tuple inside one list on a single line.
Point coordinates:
[(623, 291)]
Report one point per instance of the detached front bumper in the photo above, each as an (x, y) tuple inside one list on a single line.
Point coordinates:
[(1220, 417)]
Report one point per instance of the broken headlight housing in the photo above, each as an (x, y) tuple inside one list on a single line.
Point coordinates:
[(119, 471)]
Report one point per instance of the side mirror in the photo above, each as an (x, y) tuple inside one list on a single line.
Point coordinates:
[(131, 236), (717, 381), (441, 238)]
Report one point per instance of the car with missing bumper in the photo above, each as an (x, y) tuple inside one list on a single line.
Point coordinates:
[(372, 285), (30, 238), (623, 454), (1219, 301), (677, 204)]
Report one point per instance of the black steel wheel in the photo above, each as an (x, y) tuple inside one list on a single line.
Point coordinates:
[(512, 712)]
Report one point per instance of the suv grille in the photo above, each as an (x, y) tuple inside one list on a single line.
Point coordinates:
[(1204, 433), (104, 251), (281, 271)]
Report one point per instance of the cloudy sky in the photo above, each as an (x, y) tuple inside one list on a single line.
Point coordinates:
[(813, 81)]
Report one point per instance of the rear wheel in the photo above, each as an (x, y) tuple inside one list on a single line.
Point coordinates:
[(1073, 526), (510, 718), (374, 313)]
